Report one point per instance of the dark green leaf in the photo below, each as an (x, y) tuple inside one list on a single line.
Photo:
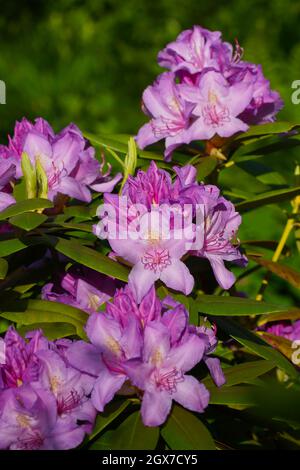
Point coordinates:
[(25, 206), (269, 197), (28, 220), (111, 412), (52, 331), (284, 272), (256, 344), (8, 247), (205, 167), (183, 431), (3, 268), (92, 259)]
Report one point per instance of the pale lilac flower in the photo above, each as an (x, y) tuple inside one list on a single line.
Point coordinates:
[(67, 158), (161, 373), (155, 254), (218, 104), (7, 176), (28, 421), (221, 223), (170, 116), (194, 50)]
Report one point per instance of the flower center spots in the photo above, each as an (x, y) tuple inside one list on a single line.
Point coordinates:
[(67, 403), (54, 383), (215, 115), (94, 302), (23, 421), (32, 441), (56, 175), (167, 127), (156, 260), (169, 380), (113, 346)]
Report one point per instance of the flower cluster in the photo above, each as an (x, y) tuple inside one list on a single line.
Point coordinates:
[(67, 159), (156, 252), (146, 350), (285, 329), (44, 402), (208, 91)]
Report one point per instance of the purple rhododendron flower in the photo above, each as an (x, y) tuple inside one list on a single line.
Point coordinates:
[(82, 288), (44, 402), (286, 329), (208, 92), (170, 116), (194, 50), (67, 158), (148, 347)]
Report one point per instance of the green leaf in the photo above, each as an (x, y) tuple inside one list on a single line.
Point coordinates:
[(92, 259), (111, 412), (242, 373), (112, 143), (8, 247), (256, 344), (130, 161), (28, 220), (292, 314), (239, 395), (52, 331), (281, 270), (25, 206), (234, 306), (130, 435), (3, 268), (183, 431), (28, 312), (282, 344), (269, 197), (205, 167), (42, 180), (236, 178), (277, 127)]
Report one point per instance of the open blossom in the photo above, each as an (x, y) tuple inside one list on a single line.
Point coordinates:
[(194, 50), (81, 287), (217, 104), (44, 402), (28, 421), (170, 116), (148, 348), (221, 223), (67, 158), (209, 91)]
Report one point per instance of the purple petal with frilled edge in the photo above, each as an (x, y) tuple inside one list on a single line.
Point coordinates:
[(178, 277), (187, 355), (106, 386), (191, 394), (215, 369), (156, 343), (7, 171), (85, 357), (176, 321), (107, 186), (155, 408), (187, 174), (150, 307), (140, 280), (105, 333), (131, 250), (72, 188), (131, 341), (224, 277)]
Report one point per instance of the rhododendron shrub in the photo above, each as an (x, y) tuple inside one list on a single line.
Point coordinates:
[(142, 276)]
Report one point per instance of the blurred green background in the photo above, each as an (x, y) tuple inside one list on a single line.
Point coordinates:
[(88, 62)]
